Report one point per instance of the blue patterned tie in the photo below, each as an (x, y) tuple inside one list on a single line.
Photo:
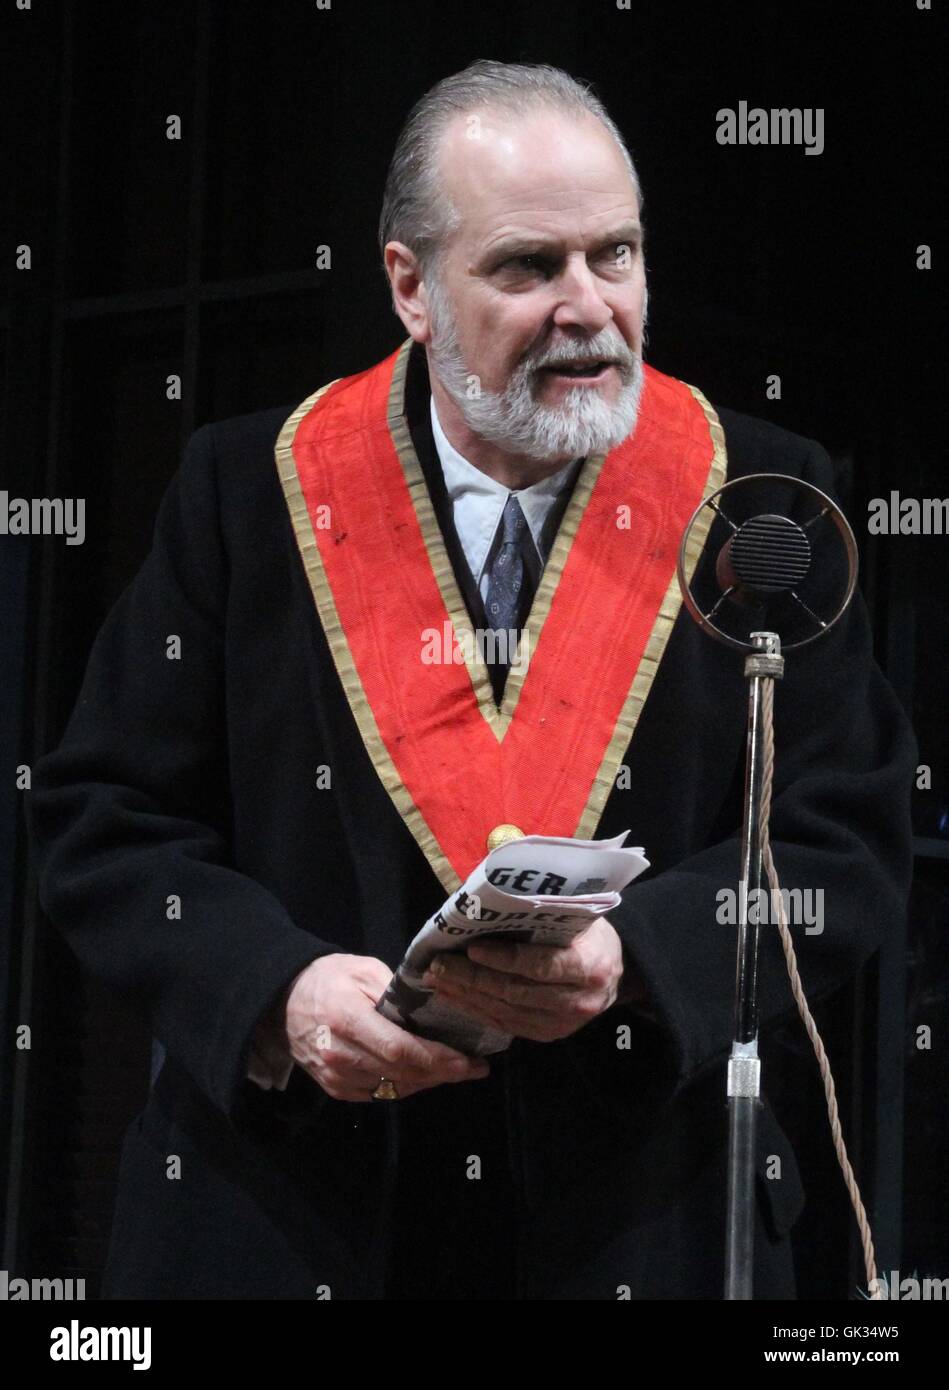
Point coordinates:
[(511, 570)]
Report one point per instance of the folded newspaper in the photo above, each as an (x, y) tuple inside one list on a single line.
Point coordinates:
[(541, 889)]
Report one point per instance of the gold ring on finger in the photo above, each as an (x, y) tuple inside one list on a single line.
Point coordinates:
[(385, 1090)]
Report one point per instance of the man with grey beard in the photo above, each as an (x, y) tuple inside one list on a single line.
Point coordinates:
[(309, 788), (514, 419)]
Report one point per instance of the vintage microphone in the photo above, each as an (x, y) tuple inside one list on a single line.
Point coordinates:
[(757, 583)]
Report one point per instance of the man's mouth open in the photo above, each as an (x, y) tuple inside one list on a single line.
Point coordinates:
[(578, 371)]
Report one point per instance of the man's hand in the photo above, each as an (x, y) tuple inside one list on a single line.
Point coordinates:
[(536, 992), (336, 1035)]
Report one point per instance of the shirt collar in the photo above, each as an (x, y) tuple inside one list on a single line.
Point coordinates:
[(465, 483)]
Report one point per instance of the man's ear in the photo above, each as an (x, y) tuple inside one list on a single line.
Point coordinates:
[(409, 298)]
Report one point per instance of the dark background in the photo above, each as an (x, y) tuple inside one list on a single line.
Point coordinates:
[(194, 257)]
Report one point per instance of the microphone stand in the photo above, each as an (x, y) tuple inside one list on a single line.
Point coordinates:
[(767, 554), (744, 1066)]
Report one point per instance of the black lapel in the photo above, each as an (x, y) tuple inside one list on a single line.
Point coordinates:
[(418, 415)]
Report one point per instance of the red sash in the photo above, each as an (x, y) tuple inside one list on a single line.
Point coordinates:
[(455, 766)]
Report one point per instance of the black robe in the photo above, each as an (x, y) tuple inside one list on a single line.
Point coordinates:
[(602, 1167)]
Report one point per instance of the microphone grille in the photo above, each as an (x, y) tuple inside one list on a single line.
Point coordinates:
[(769, 554)]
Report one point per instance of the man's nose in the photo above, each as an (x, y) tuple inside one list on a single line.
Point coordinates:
[(581, 303)]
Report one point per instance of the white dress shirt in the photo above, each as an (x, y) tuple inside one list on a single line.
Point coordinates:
[(478, 501)]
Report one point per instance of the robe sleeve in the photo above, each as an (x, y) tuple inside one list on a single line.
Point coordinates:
[(129, 816), (845, 758)]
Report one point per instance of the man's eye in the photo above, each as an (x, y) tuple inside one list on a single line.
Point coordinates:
[(536, 263)]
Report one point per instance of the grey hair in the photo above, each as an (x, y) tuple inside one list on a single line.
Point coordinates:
[(415, 210)]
